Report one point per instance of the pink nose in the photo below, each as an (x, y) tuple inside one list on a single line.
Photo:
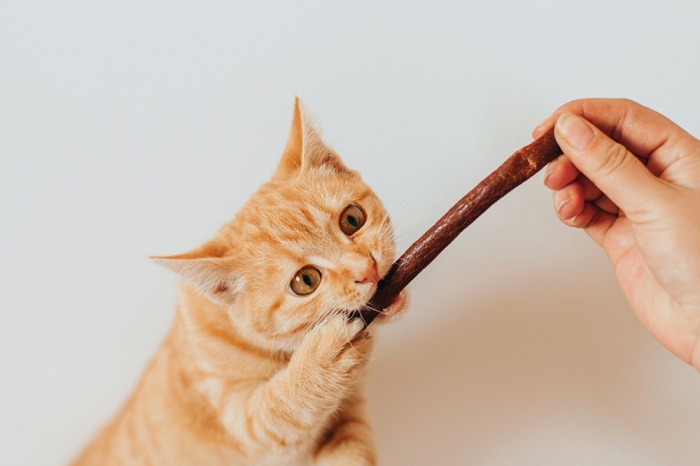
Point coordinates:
[(370, 274)]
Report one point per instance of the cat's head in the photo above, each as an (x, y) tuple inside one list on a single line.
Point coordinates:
[(312, 241)]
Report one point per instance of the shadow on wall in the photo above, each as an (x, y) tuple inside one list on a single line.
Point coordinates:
[(525, 375)]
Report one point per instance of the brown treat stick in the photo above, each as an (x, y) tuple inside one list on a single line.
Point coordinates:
[(517, 168)]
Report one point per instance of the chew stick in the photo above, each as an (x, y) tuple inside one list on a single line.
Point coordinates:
[(517, 168)]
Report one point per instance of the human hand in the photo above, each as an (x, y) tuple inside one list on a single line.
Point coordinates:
[(638, 196)]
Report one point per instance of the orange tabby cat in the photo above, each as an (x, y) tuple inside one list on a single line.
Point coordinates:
[(262, 364)]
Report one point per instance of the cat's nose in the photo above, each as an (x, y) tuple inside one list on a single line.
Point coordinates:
[(370, 274)]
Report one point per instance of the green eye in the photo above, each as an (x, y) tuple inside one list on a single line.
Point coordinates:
[(305, 281), (352, 219)]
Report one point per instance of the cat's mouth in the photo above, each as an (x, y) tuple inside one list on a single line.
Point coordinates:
[(394, 309), (396, 305)]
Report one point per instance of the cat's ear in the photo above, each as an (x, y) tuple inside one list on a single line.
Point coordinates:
[(213, 274), (305, 150)]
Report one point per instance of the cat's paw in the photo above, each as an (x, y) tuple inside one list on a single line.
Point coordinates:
[(334, 352), (346, 455), (349, 443)]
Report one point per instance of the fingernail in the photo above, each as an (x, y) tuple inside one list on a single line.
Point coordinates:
[(575, 131), (551, 168), (539, 128), (561, 200)]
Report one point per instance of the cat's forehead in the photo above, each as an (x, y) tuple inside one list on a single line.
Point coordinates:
[(302, 214), (315, 206), (326, 192)]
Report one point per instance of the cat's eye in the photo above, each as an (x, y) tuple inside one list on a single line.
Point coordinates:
[(352, 219), (305, 281)]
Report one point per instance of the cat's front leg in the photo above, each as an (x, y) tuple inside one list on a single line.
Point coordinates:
[(294, 408), (350, 440)]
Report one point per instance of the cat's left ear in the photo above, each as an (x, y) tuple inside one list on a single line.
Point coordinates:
[(214, 275), (305, 150)]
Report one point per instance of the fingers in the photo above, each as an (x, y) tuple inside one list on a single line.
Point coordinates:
[(638, 128), (560, 172), (608, 165), (578, 206)]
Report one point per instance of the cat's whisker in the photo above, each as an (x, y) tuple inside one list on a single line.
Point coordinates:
[(417, 223), (373, 309), (423, 216), (401, 200), (400, 210)]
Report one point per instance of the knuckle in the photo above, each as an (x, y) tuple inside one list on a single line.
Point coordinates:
[(612, 159), (626, 102)]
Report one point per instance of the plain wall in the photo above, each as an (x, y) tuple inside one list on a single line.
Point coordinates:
[(136, 128)]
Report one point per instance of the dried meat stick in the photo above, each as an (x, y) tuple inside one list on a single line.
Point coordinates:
[(520, 166)]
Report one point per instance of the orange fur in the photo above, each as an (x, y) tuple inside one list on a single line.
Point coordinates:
[(251, 373)]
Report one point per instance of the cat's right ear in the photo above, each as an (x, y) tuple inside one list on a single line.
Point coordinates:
[(216, 276), (305, 149), (294, 150)]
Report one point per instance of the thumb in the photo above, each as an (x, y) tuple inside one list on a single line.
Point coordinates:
[(609, 165)]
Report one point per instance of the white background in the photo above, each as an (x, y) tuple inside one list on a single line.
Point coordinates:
[(134, 128)]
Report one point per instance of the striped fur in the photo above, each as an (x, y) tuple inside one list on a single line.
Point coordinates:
[(250, 373)]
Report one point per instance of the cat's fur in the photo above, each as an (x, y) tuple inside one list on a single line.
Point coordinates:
[(251, 373)]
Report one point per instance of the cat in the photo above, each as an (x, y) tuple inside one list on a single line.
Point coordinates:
[(264, 364)]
